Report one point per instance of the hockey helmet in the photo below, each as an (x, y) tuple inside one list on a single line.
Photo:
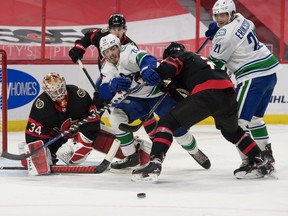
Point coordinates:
[(173, 47), (224, 6), (117, 20), (108, 41), (55, 86)]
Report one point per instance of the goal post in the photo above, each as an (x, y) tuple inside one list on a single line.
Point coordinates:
[(3, 101)]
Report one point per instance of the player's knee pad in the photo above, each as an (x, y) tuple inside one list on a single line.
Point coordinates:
[(171, 123), (39, 163), (233, 136), (117, 117)]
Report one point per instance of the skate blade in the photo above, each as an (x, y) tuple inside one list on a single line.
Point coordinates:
[(152, 178), (121, 171), (251, 175)]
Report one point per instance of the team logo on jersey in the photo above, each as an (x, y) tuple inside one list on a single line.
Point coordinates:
[(221, 32), (81, 93), (39, 103)]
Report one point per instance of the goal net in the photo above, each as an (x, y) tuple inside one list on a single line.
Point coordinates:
[(3, 101)]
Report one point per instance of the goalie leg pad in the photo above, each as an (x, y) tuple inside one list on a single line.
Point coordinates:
[(38, 164), (144, 150), (104, 141)]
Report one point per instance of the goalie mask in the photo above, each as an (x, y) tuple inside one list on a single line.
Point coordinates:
[(174, 47), (55, 86)]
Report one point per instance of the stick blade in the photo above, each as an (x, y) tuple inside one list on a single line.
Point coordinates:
[(10, 156), (129, 128)]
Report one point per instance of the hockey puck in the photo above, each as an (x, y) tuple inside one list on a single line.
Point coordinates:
[(141, 195)]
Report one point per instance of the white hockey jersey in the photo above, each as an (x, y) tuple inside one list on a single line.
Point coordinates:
[(237, 46), (128, 66)]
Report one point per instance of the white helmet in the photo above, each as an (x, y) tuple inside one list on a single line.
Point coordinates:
[(108, 41), (55, 86), (224, 6)]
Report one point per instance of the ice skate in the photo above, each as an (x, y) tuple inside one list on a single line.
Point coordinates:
[(268, 154), (258, 168), (127, 164), (201, 159), (148, 173)]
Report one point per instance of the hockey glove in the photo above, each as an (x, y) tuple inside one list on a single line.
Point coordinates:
[(77, 52), (212, 29), (120, 84), (151, 77)]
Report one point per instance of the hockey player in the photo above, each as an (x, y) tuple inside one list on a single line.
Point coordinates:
[(236, 46), (116, 26), (210, 93), (120, 73), (54, 111)]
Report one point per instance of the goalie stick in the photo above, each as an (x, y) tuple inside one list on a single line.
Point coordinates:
[(77, 168), (134, 128), (73, 128)]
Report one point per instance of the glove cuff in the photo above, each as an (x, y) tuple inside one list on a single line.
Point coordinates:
[(80, 46)]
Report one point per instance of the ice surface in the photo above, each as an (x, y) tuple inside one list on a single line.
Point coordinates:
[(184, 188)]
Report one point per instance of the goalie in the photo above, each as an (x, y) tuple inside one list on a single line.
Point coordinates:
[(55, 111)]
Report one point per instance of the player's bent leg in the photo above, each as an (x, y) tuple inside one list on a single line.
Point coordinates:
[(258, 166), (38, 164), (188, 142), (128, 144)]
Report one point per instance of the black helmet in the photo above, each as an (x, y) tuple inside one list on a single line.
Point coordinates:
[(174, 47), (117, 20)]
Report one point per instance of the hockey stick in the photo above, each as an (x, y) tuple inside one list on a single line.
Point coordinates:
[(73, 128), (87, 75), (134, 128), (77, 168)]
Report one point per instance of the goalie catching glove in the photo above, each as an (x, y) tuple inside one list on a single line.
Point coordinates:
[(75, 151)]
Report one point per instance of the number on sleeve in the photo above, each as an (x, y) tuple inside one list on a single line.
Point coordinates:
[(35, 129)]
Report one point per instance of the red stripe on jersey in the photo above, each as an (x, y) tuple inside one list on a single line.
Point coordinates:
[(175, 62), (37, 135), (212, 84), (93, 34)]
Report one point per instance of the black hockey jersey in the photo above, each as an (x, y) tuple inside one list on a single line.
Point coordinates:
[(93, 36), (193, 72), (47, 119)]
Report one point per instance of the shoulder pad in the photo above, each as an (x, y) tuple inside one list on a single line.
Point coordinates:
[(221, 32), (81, 93), (39, 104)]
